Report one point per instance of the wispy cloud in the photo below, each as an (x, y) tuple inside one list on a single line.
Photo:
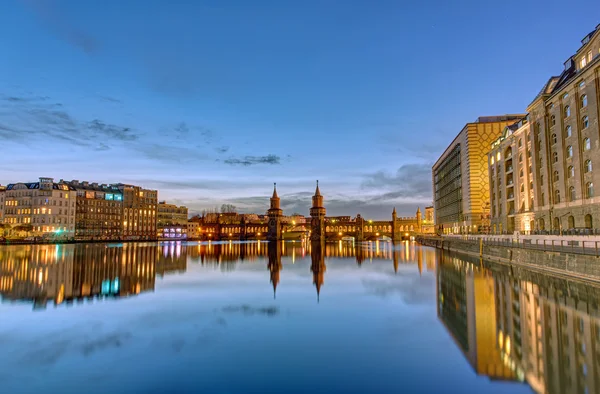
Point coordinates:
[(52, 17), (253, 160), (409, 180)]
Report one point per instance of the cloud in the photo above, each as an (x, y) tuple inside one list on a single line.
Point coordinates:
[(222, 149), (410, 180), (253, 160), (50, 15), (25, 117)]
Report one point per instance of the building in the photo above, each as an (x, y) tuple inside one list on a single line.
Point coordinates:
[(99, 211), (193, 229), (565, 144), (428, 222), (2, 193), (172, 221), (460, 176), (43, 208), (139, 212), (510, 171)]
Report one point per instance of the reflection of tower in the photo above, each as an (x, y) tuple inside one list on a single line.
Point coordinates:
[(396, 254), (396, 233), (360, 254), (274, 263), (317, 213), (318, 267), (274, 213), (420, 260), (419, 221)]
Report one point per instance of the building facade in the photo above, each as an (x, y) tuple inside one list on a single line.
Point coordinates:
[(510, 168), (139, 212), (460, 176), (2, 193), (99, 211), (566, 145), (172, 221), (43, 208)]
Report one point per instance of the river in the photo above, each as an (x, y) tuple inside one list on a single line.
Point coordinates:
[(288, 317)]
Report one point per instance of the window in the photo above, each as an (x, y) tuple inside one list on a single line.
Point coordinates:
[(520, 157), (498, 156), (557, 196), (568, 131), (585, 121), (565, 96), (571, 172), (552, 120), (584, 101), (588, 166), (554, 139), (572, 193), (586, 144), (541, 180), (589, 190), (567, 111), (582, 84), (569, 151), (521, 173), (555, 177), (554, 157)]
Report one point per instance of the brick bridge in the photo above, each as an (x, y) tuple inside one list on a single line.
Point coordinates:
[(320, 227)]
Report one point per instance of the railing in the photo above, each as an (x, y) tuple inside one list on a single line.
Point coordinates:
[(590, 248)]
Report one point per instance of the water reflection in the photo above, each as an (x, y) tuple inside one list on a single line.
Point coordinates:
[(73, 273), (511, 323)]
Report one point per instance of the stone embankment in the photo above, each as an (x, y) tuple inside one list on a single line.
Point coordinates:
[(581, 263)]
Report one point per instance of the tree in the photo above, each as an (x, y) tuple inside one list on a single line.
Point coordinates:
[(228, 208)]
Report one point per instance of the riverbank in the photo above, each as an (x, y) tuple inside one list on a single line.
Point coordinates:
[(565, 261)]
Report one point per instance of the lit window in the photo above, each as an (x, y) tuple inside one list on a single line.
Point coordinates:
[(492, 161), (567, 111), (568, 131), (498, 156), (584, 101), (586, 144), (569, 151)]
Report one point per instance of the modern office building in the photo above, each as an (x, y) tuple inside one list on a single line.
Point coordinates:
[(43, 208), (172, 221), (460, 176), (99, 210)]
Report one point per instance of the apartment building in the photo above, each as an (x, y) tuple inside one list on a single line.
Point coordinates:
[(139, 211), (43, 208), (2, 193)]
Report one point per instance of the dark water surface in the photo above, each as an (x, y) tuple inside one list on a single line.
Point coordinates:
[(288, 317)]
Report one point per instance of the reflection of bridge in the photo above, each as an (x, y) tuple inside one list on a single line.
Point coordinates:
[(320, 227)]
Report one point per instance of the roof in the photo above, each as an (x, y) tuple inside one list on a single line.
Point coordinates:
[(36, 185), (76, 185)]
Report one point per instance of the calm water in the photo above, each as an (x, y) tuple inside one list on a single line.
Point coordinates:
[(259, 318)]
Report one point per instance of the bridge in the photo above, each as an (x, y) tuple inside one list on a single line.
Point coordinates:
[(274, 226)]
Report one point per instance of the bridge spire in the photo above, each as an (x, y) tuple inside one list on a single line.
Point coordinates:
[(317, 192), (275, 191)]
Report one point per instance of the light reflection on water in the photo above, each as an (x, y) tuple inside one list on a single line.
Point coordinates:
[(288, 317)]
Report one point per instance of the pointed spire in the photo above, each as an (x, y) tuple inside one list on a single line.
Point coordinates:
[(394, 211), (275, 191), (317, 192)]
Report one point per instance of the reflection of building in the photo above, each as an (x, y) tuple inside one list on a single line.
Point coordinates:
[(41, 208), (172, 221), (139, 212), (466, 307), (274, 264), (98, 211), (460, 175), (171, 257), (318, 267)]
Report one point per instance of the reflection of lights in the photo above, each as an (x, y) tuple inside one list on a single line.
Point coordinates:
[(377, 234), (258, 234), (339, 233)]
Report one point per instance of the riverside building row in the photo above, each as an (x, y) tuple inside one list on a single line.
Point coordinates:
[(539, 169), (83, 210)]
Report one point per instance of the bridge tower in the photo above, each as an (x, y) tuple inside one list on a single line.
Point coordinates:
[(274, 213), (317, 214), (396, 233)]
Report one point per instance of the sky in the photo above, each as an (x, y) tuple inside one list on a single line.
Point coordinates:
[(211, 102)]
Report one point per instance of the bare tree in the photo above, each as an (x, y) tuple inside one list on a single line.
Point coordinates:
[(228, 208)]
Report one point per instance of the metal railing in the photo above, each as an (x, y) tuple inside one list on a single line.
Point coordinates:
[(585, 247)]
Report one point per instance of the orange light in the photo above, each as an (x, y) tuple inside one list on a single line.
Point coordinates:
[(339, 233), (258, 234)]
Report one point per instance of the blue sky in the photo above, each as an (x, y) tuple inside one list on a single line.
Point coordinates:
[(213, 101)]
